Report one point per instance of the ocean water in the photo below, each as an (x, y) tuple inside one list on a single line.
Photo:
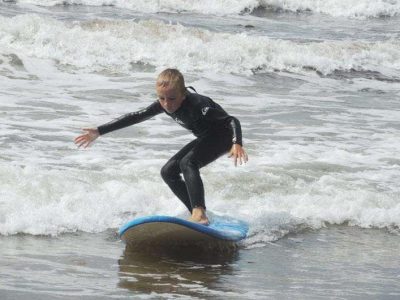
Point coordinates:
[(316, 86)]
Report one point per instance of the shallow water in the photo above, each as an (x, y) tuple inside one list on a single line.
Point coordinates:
[(336, 263), (316, 88)]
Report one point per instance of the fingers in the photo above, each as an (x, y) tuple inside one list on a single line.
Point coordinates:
[(236, 157), (83, 140), (79, 139), (83, 143), (87, 138), (245, 157), (239, 157)]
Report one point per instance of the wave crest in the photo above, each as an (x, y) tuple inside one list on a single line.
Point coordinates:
[(216, 7), (117, 45), (351, 8)]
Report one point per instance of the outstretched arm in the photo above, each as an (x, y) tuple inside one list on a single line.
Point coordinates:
[(131, 118), (126, 120)]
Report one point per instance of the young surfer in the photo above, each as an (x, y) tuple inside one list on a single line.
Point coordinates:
[(216, 133)]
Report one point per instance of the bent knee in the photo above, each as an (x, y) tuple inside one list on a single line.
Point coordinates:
[(165, 171), (169, 171)]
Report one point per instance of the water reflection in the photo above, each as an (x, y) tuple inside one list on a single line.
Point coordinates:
[(187, 271)]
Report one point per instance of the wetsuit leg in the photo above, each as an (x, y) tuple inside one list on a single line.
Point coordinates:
[(205, 151), (170, 172)]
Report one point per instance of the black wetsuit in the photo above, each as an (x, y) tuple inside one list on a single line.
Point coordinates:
[(215, 130)]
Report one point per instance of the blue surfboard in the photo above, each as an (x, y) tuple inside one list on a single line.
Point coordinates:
[(173, 231)]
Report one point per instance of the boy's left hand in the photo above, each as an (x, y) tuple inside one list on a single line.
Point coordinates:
[(238, 153)]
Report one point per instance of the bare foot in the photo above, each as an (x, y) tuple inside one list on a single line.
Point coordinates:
[(203, 221), (199, 216)]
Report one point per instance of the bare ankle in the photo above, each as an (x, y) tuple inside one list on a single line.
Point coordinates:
[(199, 215)]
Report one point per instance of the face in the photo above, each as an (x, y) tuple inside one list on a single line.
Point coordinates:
[(170, 98)]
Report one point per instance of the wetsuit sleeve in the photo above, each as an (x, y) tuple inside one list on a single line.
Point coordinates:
[(217, 115), (131, 118)]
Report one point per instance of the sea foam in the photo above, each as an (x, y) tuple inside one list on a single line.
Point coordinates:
[(37, 200), (117, 45), (351, 8), (219, 7)]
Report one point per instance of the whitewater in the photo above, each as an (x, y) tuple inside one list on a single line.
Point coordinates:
[(315, 84)]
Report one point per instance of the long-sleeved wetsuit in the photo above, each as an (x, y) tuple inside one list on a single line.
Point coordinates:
[(215, 130)]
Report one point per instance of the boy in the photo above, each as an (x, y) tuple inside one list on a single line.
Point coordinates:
[(216, 133)]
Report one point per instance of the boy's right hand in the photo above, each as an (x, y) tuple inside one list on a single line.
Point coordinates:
[(87, 138)]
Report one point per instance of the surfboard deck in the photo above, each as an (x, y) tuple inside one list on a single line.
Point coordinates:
[(166, 231)]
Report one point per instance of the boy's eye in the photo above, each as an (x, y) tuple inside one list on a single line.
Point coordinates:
[(166, 99)]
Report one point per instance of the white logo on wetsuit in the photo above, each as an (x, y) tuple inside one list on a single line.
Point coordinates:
[(204, 110), (179, 121)]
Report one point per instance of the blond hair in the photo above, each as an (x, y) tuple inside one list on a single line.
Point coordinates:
[(171, 78)]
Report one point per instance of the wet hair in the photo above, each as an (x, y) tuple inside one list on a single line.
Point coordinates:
[(171, 78)]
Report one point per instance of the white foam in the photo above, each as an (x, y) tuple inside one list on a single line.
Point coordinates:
[(351, 8), (36, 200), (114, 45), (218, 7), (39, 201)]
